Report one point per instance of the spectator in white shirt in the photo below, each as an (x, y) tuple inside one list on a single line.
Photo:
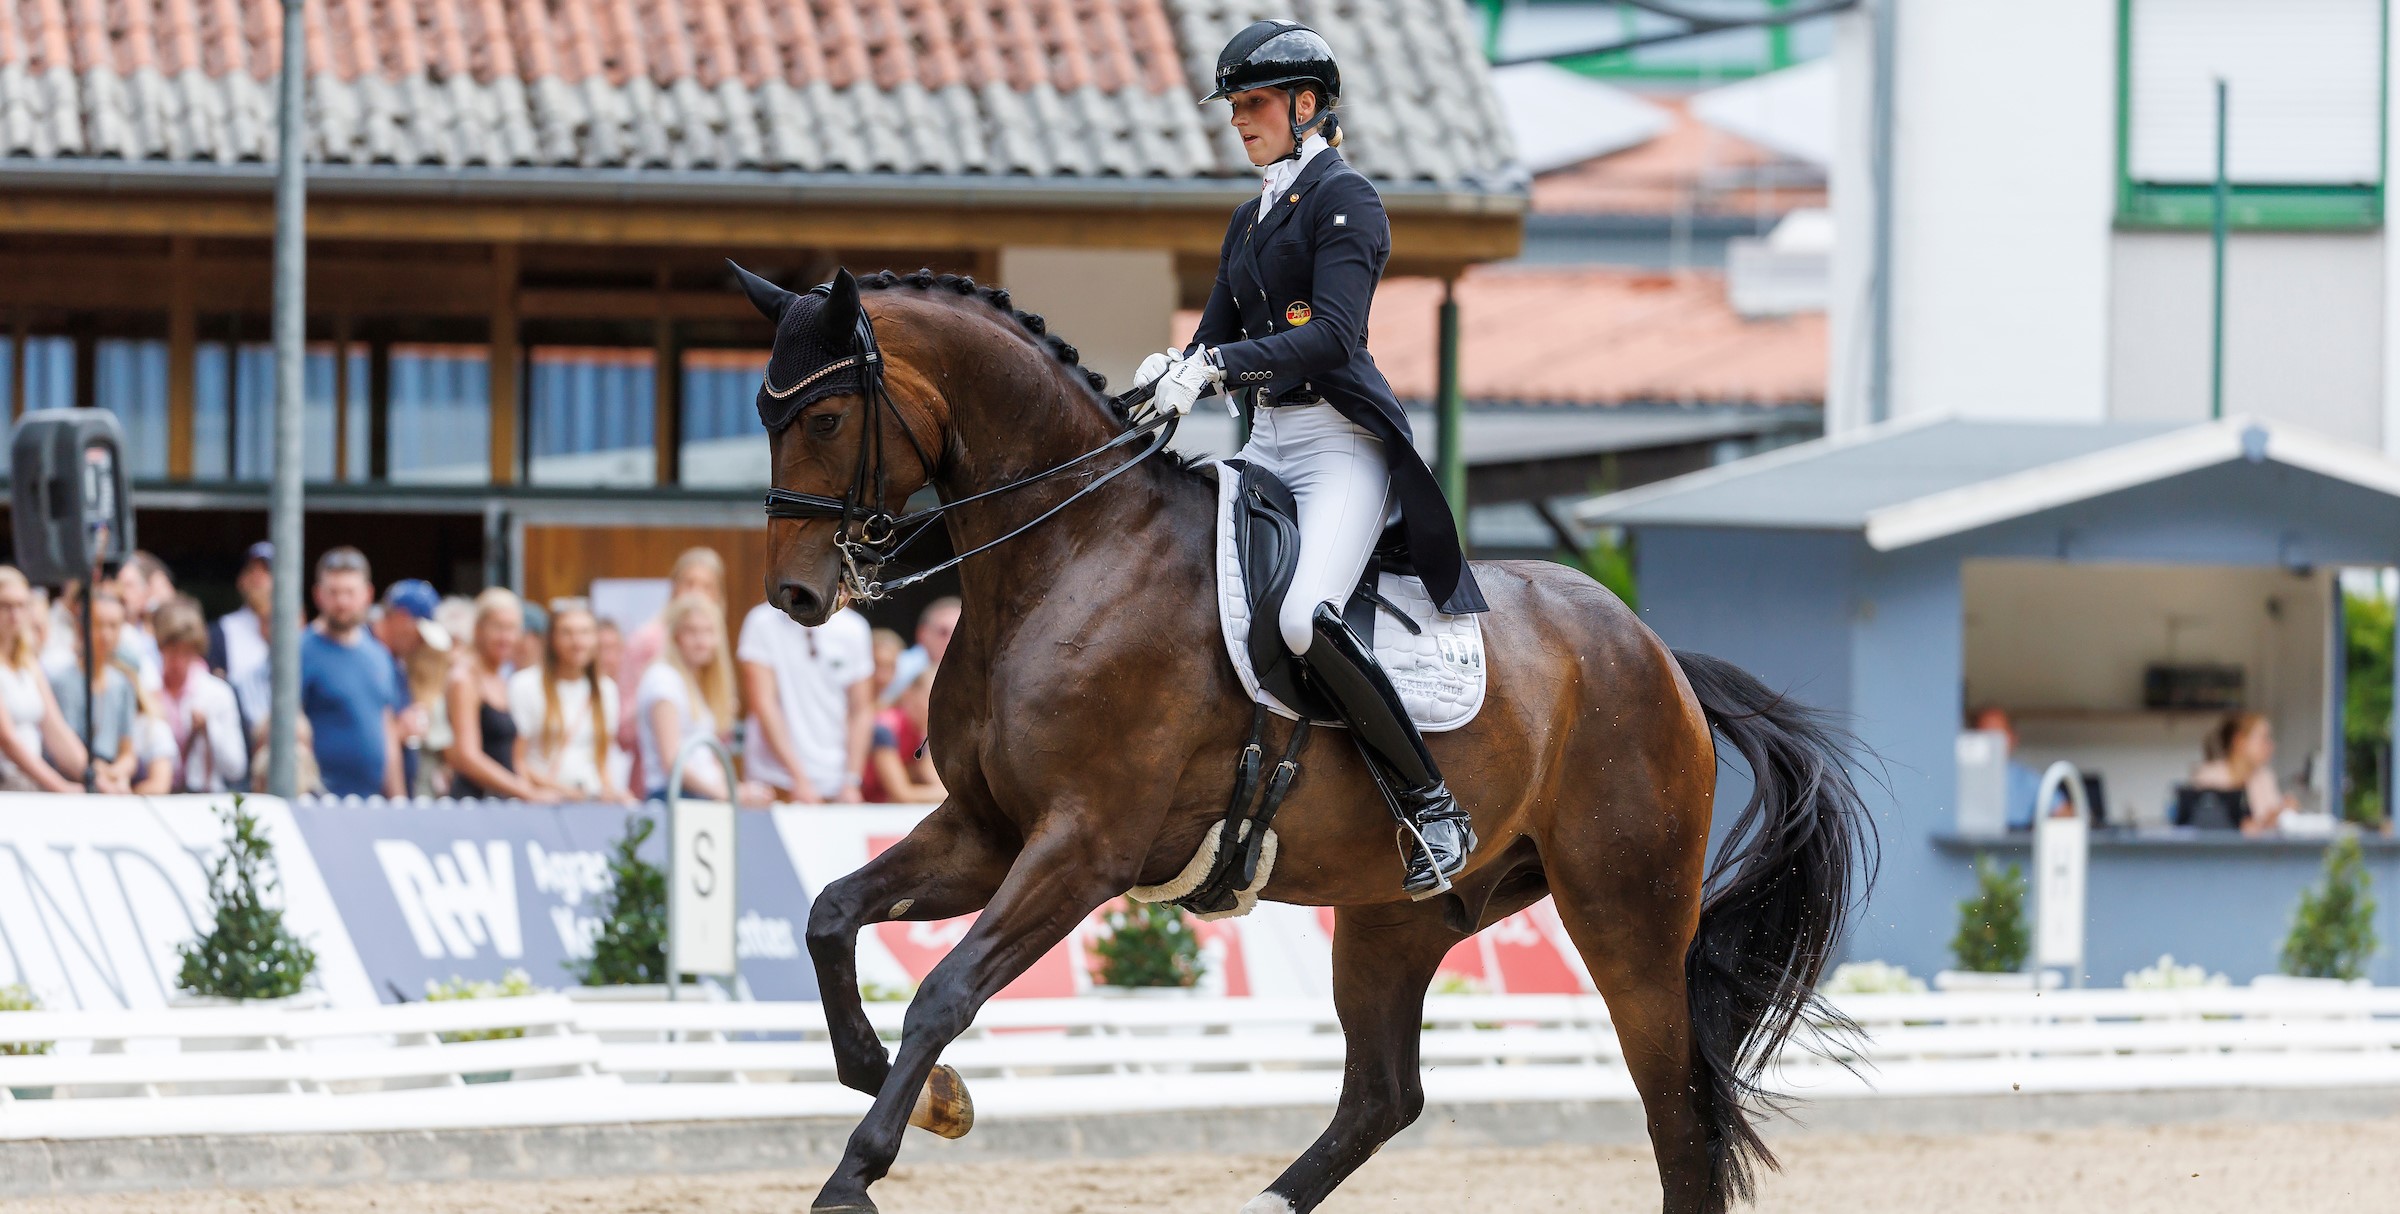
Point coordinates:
[(566, 712), (686, 693), (810, 693), (211, 749), (143, 585), (237, 642), (29, 718)]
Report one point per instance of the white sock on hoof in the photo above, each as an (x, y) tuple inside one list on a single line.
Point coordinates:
[(1269, 1202)]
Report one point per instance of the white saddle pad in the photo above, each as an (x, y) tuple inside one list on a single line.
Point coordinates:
[(1438, 670)]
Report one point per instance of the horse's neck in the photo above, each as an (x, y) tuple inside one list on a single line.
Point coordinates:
[(1016, 430)]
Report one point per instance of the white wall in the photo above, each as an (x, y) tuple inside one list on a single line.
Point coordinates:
[(1115, 305), (2304, 329), (2004, 169), (2391, 255), (2063, 648), (1850, 183)]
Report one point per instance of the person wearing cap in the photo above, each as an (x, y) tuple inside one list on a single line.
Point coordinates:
[(350, 688), (1285, 330), (237, 642), (420, 665)]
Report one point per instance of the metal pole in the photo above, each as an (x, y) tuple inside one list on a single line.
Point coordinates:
[(1885, 15), (2216, 310), (284, 523), (1449, 412), (91, 757)]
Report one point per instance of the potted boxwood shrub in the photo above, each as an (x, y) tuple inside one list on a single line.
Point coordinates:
[(629, 953), (1146, 949), (2333, 929), (248, 954), (1992, 941)]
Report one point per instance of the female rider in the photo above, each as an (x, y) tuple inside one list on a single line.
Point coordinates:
[(1287, 325)]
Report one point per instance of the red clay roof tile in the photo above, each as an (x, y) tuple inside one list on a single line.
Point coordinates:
[(1595, 336)]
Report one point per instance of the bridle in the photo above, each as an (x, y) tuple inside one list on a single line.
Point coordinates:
[(869, 536)]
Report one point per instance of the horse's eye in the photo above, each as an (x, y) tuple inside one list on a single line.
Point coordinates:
[(824, 423)]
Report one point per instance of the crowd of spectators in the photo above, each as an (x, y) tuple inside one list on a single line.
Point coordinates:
[(409, 693)]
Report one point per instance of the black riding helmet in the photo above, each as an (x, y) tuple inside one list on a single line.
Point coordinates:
[(1280, 54)]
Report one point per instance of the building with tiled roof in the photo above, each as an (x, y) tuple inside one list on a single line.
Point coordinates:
[(519, 211), (1040, 88)]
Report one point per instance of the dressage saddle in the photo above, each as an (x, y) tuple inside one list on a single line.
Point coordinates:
[(1266, 531)]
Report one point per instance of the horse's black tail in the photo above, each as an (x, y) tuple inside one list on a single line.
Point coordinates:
[(1791, 868)]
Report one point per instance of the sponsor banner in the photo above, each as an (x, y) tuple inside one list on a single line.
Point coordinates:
[(96, 893), (473, 891)]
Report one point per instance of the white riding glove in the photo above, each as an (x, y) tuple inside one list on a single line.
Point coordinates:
[(1155, 366), (1186, 381)]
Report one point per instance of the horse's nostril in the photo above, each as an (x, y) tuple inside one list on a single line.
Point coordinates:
[(798, 601)]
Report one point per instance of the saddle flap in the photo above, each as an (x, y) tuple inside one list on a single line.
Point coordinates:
[(1267, 540)]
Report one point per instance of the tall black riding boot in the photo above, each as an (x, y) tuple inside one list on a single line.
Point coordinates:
[(1435, 834)]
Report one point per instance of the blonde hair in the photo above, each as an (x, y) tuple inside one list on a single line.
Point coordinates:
[(490, 603), (554, 729), (428, 672), (699, 558), (713, 685), (20, 651)]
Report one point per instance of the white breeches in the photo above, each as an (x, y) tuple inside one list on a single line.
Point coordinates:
[(1343, 488)]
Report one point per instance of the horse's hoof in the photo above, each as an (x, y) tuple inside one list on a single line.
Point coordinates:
[(1269, 1202), (843, 1209), (944, 1106)]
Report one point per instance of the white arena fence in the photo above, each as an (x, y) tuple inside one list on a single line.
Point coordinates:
[(269, 1069)]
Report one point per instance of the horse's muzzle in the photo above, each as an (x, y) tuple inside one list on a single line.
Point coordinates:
[(803, 604)]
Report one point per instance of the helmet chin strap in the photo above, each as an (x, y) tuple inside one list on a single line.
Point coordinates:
[(1300, 133)]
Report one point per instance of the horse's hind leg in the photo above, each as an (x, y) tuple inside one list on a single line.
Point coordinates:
[(947, 866), (1634, 942), (1383, 959)]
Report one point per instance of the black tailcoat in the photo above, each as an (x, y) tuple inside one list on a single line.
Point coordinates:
[(1289, 316)]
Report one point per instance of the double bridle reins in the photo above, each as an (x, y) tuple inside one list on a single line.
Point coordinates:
[(869, 536)]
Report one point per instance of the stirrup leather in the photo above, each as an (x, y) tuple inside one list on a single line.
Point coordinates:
[(1436, 836)]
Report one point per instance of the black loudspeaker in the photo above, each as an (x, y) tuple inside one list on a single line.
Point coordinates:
[(67, 494)]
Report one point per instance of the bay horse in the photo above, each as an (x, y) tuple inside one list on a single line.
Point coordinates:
[(1087, 721)]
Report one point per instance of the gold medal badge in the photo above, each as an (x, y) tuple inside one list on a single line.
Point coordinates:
[(1297, 314)]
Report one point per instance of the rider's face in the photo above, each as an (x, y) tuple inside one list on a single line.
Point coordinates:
[(1263, 118)]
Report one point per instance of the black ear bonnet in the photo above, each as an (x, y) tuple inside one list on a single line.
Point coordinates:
[(824, 345)]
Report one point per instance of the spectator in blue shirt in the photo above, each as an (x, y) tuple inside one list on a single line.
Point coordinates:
[(348, 686)]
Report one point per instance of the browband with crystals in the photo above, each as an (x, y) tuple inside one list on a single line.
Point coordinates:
[(839, 364)]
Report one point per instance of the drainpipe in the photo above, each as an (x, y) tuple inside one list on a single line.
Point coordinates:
[(1449, 413), (1885, 15), (2216, 305)]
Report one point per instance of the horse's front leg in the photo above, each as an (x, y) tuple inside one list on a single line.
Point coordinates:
[(949, 865), (1061, 876)]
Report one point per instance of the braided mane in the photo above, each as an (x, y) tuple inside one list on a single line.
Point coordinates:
[(997, 297), (1034, 326)]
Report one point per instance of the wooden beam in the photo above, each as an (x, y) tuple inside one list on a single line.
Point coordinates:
[(183, 354), (666, 394), (1462, 236), (341, 398), (504, 361)]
